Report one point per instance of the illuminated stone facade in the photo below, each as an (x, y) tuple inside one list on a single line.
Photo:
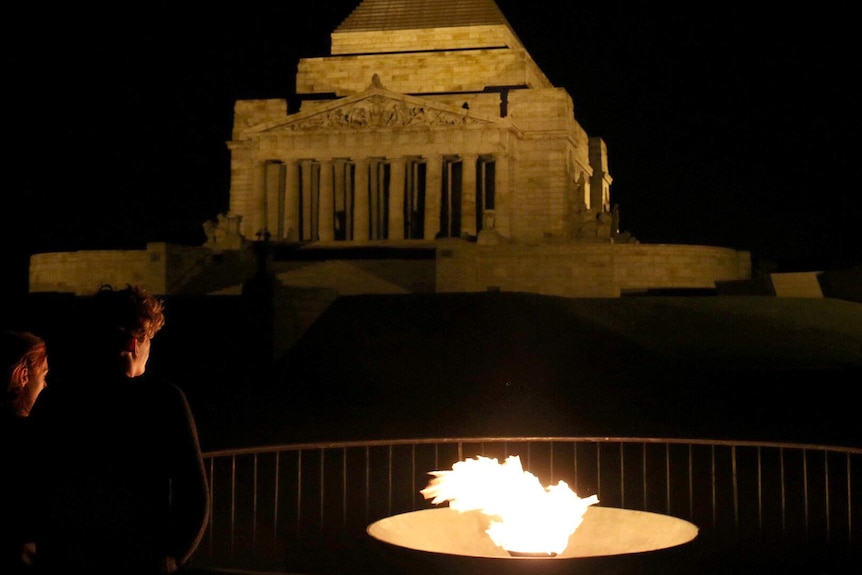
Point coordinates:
[(428, 153), (419, 126)]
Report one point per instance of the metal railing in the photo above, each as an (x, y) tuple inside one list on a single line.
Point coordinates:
[(305, 507)]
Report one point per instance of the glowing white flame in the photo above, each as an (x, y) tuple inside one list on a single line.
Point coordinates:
[(529, 518)]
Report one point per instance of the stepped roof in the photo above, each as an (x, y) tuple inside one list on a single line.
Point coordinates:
[(377, 15)]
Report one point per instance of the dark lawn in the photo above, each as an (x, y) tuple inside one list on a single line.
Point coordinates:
[(509, 364)]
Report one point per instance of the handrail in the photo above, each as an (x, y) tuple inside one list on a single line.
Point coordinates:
[(305, 506), (497, 439)]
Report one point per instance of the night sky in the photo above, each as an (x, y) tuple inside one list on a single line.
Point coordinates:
[(726, 125)]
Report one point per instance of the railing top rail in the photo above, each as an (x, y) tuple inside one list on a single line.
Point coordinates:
[(584, 439)]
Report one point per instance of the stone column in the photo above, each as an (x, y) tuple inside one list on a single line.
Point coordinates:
[(307, 199), (326, 223), (271, 186), (373, 198), (396, 198), (433, 184), (291, 202), (360, 202), (468, 194), (242, 190), (502, 198), (258, 217), (339, 200)]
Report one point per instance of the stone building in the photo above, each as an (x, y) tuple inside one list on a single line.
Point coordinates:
[(424, 123), (429, 153)]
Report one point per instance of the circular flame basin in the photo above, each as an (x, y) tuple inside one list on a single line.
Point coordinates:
[(456, 541)]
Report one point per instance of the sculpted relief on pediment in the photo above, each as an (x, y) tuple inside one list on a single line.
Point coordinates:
[(380, 112)]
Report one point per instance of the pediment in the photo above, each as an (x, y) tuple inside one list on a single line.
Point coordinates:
[(373, 109)]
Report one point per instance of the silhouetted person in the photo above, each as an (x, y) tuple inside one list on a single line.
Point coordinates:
[(24, 357), (123, 487)]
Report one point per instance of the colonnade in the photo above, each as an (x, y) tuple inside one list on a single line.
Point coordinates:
[(376, 198)]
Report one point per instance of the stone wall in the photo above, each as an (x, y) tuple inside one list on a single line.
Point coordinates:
[(411, 73), (584, 270), (566, 269), (798, 284), (161, 267)]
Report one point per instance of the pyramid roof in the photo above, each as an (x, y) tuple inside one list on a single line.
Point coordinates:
[(376, 15), (381, 26)]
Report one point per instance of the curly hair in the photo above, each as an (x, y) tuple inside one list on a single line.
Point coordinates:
[(127, 312)]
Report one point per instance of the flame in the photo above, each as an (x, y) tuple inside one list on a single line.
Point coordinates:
[(529, 518)]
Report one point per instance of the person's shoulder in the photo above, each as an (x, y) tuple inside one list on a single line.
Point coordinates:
[(166, 389), (161, 383), (59, 398)]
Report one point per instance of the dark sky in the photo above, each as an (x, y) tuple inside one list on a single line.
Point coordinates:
[(726, 125)]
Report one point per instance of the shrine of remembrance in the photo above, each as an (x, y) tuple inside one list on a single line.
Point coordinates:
[(426, 153)]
